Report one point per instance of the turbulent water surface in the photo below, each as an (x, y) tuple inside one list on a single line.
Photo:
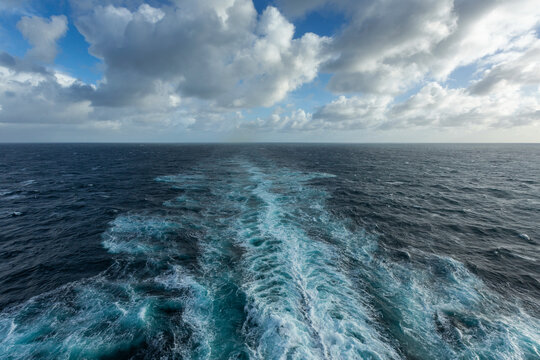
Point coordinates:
[(269, 252)]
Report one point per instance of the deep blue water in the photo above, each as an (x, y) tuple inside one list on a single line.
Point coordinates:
[(269, 251)]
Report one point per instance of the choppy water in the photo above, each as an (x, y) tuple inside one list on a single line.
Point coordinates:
[(269, 252)]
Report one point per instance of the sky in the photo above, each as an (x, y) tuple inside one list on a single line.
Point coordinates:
[(271, 71)]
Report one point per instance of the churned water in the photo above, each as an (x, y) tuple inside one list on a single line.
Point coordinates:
[(269, 251)]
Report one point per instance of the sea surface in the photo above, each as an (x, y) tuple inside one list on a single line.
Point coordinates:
[(269, 251)]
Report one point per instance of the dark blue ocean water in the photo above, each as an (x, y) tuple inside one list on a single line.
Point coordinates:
[(269, 251)]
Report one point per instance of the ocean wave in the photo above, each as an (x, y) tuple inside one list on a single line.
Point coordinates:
[(263, 269), (104, 318)]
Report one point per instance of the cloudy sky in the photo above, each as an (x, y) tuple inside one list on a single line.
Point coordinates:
[(282, 70)]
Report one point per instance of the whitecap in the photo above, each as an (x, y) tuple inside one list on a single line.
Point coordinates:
[(27, 182)]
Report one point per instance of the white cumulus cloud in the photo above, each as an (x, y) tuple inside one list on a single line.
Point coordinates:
[(222, 52)]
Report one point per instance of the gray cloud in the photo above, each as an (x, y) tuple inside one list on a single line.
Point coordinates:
[(433, 106), (201, 65), (218, 51), (382, 48), (438, 106), (387, 47), (31, 93), (43, 34), (185, 63), (353, 113), (341, 114), (522, 71)]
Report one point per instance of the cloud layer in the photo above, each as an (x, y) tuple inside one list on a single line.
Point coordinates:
[(211, 65)]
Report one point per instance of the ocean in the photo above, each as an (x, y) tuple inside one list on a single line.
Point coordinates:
[(269, 251)]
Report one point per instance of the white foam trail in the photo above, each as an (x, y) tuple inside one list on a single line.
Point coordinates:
[(100, 317), (442, 309), (79, 320), (114, 313), (197, 313), (303, 302), (136, 234), (303, 306)]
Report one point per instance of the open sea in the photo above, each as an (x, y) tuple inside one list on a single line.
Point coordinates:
[(269, 251)]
